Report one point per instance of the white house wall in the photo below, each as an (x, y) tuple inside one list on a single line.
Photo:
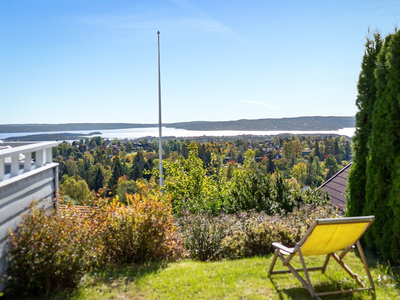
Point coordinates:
[(16, 194)]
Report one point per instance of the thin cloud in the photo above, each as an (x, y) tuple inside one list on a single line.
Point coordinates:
[(259, 103), (149, 21), (208, 25), (202, 21), (374, 8)]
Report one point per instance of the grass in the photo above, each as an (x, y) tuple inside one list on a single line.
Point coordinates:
[(238, 279)]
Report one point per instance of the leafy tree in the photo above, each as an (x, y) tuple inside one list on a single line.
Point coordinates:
[(109, 150), (292, 151), (190, 186), (331, 165), (62, 169), (251, 189), (129, 147), (125, 187), (72, 167), (99, 141), (314, 173), (229, 171), (100, 156), (299, 172), (77, 190), (92, 144)]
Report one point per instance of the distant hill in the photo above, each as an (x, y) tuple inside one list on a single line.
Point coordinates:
[(300, 123)]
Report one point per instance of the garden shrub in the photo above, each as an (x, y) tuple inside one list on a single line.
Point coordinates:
[(246, 234), (52, 250), (140, 231), (254, 190), (255, 234), (202, 235)]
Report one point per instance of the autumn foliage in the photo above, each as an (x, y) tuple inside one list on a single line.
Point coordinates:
[(53, 250)]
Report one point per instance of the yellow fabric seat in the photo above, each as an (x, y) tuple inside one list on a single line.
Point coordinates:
[(325, 237)]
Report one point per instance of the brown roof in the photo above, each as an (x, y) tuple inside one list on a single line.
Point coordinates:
[(336, 187), (79, 209)]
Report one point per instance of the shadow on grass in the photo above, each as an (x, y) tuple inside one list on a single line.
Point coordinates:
[(131, 272), (122, 276), (118, 276), (330, 286)]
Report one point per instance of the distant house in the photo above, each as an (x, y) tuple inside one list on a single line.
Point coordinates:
[(336, 187), (226, 160), (305, 152)]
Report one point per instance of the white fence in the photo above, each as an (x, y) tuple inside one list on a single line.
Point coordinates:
[(21, 181)]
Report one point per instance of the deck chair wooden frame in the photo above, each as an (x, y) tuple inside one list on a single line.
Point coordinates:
[(325, 237)]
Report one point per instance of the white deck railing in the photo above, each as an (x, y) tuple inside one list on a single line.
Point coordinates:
[(23, 183), (43, 156)]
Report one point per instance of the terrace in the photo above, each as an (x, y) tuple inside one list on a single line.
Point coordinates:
[(26, 173)]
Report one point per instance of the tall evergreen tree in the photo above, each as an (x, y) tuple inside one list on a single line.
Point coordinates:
[(137, 166), (99, 179), (117, 171), (384, 154), (317, 152), (365, 102), (271, 166), (96, 177)]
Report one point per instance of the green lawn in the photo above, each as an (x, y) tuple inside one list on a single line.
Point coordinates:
[(238, 279)]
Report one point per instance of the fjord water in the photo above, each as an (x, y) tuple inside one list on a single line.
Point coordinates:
[(134, 133)]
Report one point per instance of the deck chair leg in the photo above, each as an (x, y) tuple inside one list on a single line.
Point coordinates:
[(310, 287), (365, 264), (271, 268), (345, 251), (326, 263), (348, 270), (294, 272)]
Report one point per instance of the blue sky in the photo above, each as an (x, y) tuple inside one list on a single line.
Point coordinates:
[(96, 61)]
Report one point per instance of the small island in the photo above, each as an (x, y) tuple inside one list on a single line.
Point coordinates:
[(51, 137)]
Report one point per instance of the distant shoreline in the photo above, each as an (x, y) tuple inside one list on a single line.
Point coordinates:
[(282, 124)]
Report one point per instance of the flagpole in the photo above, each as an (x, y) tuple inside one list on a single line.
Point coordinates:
[(159, 115)]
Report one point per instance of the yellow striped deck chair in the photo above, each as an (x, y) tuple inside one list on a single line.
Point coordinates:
[(325, 237)]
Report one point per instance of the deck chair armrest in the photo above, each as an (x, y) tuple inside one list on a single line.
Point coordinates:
[(285, 249)]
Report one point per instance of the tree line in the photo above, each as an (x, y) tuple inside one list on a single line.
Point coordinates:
[(88, 165)]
